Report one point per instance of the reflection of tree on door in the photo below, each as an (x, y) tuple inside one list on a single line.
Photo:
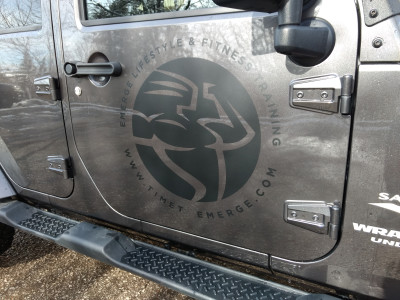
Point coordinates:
[(24, 53), (27, 54), (14, 14), (100, 9)]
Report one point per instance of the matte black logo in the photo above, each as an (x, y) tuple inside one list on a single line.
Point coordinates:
[(196, 129)]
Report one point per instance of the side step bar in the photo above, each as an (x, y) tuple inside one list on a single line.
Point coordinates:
[(182, 273), (6, 189)]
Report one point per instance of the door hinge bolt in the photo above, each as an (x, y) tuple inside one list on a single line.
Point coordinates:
[(377, 42), (324, 95), (373, 13), (294, 214), (300, 94), (315, 218)]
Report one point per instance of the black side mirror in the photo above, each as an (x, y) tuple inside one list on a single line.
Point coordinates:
[(307, 43), (268, 6)]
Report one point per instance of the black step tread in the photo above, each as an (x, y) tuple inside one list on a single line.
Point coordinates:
[(47, 224), (188, 275), (203, 279)]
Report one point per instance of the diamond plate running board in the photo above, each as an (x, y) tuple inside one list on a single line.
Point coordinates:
[(182, 273)]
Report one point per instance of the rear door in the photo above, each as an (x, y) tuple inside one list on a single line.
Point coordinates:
[(198, 133), (32, 134)]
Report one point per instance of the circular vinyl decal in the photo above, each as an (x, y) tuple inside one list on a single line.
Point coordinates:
[(196, 129)]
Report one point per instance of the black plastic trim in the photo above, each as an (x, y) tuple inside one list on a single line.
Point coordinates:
[(379, 10), (182, 273)]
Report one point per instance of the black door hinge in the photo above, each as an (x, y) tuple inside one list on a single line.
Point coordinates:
[(60, 165), (47, 87), (327, 94), (317, 216)]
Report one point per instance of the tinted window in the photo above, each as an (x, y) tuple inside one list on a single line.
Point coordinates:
[(19, 13), (101, 9)]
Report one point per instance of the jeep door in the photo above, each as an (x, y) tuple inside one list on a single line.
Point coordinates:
[(31, 121), (208, 131)]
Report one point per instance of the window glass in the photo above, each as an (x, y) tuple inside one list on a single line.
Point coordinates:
[(101, 9), (19, 13)]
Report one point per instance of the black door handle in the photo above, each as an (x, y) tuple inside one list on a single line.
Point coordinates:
[(76, 69)]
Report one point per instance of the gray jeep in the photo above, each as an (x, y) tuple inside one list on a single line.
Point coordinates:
[(265, 132)]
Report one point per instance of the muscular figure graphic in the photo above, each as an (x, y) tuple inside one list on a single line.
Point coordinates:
[(191, 119)]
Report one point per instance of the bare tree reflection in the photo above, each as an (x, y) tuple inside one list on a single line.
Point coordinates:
[(100, 9), (19, 13), (24, 53)]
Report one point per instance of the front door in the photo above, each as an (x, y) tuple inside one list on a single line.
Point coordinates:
[(198, 133), (32, 134)]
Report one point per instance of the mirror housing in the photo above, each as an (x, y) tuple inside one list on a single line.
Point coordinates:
[(268, 6), (306, 43)]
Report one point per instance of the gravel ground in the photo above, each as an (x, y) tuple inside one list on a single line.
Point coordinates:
[(36, 269)]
